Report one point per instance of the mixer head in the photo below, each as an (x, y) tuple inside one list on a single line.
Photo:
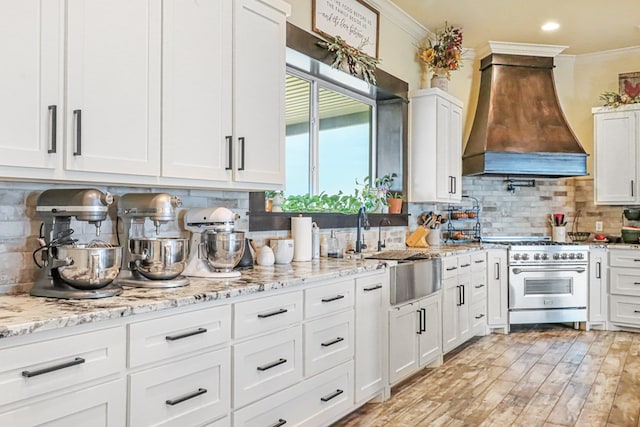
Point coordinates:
[(158, 207), (204, 219), (85, 204)]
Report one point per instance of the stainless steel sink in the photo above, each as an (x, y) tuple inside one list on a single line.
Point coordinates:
[(415, 279)]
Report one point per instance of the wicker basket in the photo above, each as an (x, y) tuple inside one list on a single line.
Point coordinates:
[(578, 236)]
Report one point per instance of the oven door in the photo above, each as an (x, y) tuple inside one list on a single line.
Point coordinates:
[(553, 289)]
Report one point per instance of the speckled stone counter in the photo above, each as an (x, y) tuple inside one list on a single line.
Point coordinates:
[(23, 314)]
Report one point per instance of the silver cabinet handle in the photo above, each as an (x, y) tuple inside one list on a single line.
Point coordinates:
[(186, 334), (185, 397), (53, 122), (77, 114), (74, 362)]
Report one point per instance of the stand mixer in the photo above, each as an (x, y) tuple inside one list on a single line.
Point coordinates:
[(156, 261), (69, 270), (215, 247)]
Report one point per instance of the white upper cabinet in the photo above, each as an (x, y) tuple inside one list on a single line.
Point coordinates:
[(113, 86), (616, 140), (259, 63), (435, 147), (30, 83), (196, 89)]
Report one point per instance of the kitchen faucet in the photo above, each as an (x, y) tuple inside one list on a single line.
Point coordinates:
[(382, 244), (362, 221)]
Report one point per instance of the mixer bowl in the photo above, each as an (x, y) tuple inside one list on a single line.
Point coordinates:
[(223, 249), (162, 258), (89, 267)]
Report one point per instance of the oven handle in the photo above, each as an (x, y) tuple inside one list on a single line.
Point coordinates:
[(547, 269)]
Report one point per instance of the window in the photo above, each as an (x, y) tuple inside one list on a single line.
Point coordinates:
[(329, 136)]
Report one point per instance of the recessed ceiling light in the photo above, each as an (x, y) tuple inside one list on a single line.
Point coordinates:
[(550, 26)]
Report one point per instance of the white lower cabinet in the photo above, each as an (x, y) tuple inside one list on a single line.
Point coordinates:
[(414, 336), (102, 405), (190, 391), (266, 364), (314, 402), (497, 289), (328, 342), (624, 287), (598, 292)]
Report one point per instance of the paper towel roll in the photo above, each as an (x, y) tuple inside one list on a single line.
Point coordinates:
[(301, 233)]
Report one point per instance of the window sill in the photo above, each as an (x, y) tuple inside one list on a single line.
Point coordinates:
[(274, 221)]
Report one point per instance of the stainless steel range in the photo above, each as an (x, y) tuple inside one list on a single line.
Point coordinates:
[(547, 281)]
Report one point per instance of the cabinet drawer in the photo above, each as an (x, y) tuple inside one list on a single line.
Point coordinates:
[(328, 342), (102, 405), (266, 364), (329, 298), (176, 335), (187, 392), (479, 261), (266, 314), (625, 281), (464, 264), (449, 267), (478, 286), (46, 366), (478, 315), (625, 310), (224, 422), (315, 402), (624, 258)]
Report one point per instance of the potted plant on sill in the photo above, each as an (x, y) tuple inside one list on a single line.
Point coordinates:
[(394, 200)]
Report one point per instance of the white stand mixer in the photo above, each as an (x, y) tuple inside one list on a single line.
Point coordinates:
[(214, 247)]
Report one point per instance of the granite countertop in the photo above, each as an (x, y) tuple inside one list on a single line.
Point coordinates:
[(23, 314)]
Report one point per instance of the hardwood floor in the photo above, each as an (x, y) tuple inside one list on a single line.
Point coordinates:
[(542, 376)]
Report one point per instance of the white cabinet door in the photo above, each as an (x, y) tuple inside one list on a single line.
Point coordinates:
[(430, 343), (403, 344), (372, 295), (102, 405), (454, 148), (30, 82), (597, 285), (196, 89), (113, 86), (450, 320), (259, 67), (497, 288), (616, 140), (464, 310)]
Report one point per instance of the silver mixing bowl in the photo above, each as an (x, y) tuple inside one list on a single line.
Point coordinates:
[(223, 249), (88, 267), (161, 258)]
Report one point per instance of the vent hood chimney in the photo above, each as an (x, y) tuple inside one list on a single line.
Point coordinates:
[(519, 128)]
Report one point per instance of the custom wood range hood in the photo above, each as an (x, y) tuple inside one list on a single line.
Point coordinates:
[(519, 128)]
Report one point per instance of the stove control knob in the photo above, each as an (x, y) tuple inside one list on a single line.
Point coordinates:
[(544, 256), (525, 257), (572, 255), (516, 256), (580, 255), (563, 256), (556, 256), (536, 256)]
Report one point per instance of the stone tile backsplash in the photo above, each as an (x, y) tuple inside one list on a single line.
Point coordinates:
[(523, 212)]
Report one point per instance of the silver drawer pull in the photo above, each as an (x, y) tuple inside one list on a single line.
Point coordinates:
[(74, 362), (271, 365), (186, 334), (332, 342), (280, 422), (479, 286), (372, 288), (337, 297), (479, 316), (187, 396), (335, 394), (273, 313)]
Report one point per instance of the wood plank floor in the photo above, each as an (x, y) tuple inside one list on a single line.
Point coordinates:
[(536, 376)]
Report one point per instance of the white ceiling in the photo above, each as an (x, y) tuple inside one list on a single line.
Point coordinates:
[(585, 25)]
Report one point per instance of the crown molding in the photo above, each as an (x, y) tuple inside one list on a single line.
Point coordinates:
[(400, 18), (608, 54), (510, 48)]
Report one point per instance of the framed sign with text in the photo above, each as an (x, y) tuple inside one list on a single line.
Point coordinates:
[(353, 20)]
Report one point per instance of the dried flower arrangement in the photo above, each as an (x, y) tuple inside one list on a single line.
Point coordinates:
[(614, 99), (356, 62), (444, 53)]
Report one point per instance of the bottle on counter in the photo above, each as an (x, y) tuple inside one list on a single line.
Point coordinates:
[(333, 246), (324, 247), (315, 241)]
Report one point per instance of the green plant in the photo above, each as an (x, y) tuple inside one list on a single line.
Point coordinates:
[(386, 181), (394, 195)]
